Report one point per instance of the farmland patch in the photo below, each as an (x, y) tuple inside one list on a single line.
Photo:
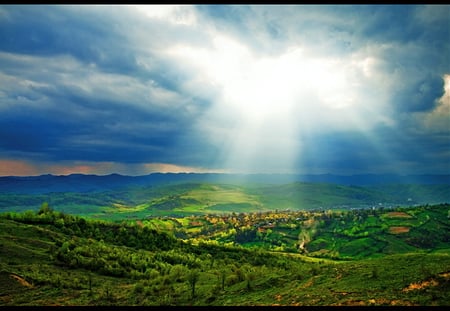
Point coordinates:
[(398, 230), (398, 215)]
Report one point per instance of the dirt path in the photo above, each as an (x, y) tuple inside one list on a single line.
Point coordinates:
[(21, 280)]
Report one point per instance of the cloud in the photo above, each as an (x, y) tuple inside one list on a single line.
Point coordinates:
[(437, 120), (287, 88), (17, 168), (78, 108), (33, 168)]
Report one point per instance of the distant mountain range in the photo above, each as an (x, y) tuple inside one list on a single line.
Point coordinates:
[(94, 183)]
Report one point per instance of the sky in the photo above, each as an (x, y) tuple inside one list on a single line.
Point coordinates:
[(303, 89)]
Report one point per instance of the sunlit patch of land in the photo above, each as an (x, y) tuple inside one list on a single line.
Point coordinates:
[(349, 257), (398, 215), (398, 230)]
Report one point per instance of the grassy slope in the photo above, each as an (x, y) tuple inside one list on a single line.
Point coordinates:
[(352, 234), (30, 276), (202, 198)]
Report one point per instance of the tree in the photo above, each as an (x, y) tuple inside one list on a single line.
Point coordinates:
[(250, 275), (45, 209), (192, 278), (222, 274)]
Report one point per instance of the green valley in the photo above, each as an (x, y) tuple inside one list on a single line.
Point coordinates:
[(379, 256), (200, 198)]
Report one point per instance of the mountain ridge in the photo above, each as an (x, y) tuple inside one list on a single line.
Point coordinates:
[(48, 183)]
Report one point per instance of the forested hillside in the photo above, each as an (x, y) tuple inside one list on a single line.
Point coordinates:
[(195, 198), (53, 258)]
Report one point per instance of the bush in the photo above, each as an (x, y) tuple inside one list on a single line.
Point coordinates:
[(231, 280), (139, 288)]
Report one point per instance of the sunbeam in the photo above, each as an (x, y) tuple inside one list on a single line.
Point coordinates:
[(270, 108)]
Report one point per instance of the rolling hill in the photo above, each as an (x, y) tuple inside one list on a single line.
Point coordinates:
[(94, 183), (182, 198), (201, 240), (50, 258)]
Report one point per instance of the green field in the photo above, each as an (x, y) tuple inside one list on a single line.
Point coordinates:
[(348, 258), (194, 198)]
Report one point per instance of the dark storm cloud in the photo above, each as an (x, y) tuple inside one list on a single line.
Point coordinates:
[(52, 112), (110, 83), (92, 35), (54, 30), (416, 50), (384, 150), (420, 95), (78, 126)]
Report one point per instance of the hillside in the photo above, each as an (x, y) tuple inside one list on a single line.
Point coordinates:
[(80, 183), (194, 198), (331, 234), (53, 258)]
